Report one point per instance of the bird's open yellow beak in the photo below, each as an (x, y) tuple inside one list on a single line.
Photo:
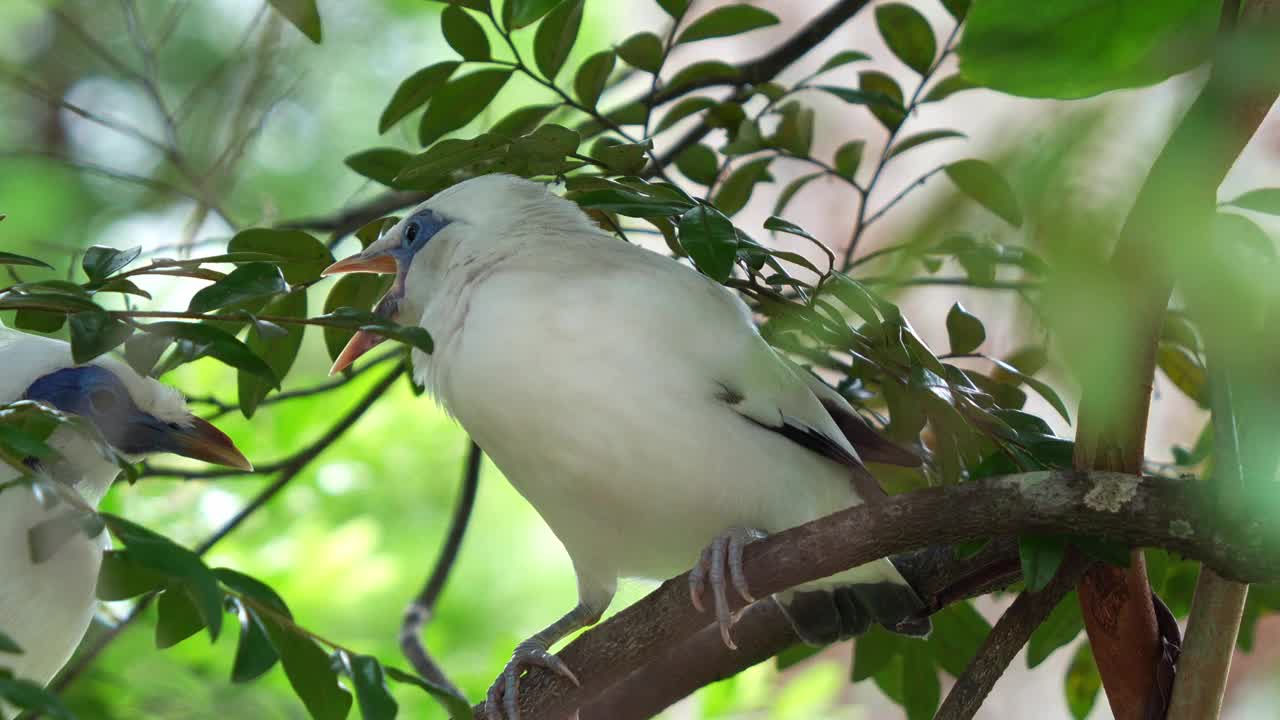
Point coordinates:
[(377, 263), (203, 441)]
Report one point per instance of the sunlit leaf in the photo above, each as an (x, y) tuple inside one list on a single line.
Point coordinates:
[(415, 91), (464, 33), (1083, 683), (555, 38), (1265, 200), (643, 51)]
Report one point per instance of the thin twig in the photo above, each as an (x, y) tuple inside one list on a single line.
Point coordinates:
[(1009, 635), (423, 606)]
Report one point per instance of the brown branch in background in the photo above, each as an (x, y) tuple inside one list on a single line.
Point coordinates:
[(1005, 640), (91, 651), (1125, 508), (423, 606), (1172, 210)]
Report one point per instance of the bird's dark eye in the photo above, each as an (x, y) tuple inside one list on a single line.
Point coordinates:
[(103, 401), (411, 233)]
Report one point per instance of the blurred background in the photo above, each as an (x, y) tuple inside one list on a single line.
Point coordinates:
[(251, 129)]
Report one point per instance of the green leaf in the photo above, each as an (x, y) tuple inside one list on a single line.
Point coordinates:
[(379, 164), (922, 690), (1075, 48), (120, 578), (958, 8), (94, 333), (9, 645), (1264, 200), (794, 655), (842, 58), (964, 331), (746, 141), (415, 91), (908, 35), (872, 653), (710, 241), (304, 256), (1185, 371), (255, 281), (523, 120), (1041, 387), (254, 654), (215, 343), (522, 13), (177, 617), (303, 14), (857, 96), (790, 191), (704, 74), (983, 183), (890, 113), (459, 102), (252, 588), (849, 157), (555, 38), (1061, 627), (124, 286), (310, 673), (154, 552), (1083, 683), (727, 20), (8, 258), (622, 158), (699, 163), (464, 34), (643, 51), (143, 351), (958, 632), (919, 139), (456, 705), (674, 8), (477, 5), (736, 190), (795, 132), (436, 167), (684, 109), (632, 204), (592, 76), (353, 319), (1040, 558), (946, 87), (780, 225), (101, 261), (279, 352), (366, 674), (27, 695)]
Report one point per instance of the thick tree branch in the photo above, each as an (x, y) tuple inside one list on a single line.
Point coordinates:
[(423, 606), (1004, 641), (1172, 210), (1138, 511)]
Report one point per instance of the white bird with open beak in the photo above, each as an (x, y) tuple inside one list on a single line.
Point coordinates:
[(46, 606), (630, 399)]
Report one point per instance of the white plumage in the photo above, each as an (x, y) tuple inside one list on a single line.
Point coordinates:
[(629, 398), (46, 607)]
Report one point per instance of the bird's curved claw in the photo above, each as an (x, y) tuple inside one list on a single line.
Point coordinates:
[(722, 557), (503, 699)]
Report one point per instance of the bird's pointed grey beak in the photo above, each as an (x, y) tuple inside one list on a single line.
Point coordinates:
[(203, 441)]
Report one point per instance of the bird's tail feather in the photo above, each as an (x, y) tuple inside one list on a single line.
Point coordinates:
[(844, 605)]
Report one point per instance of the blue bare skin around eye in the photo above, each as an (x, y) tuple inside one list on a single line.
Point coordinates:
[(429, 224), (70, 389)]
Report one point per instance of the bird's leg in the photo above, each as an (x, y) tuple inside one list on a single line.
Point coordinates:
[(723, 556), (503, 697)]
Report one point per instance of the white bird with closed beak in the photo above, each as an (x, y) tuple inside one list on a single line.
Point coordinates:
[(631, 400), (46, 606)]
